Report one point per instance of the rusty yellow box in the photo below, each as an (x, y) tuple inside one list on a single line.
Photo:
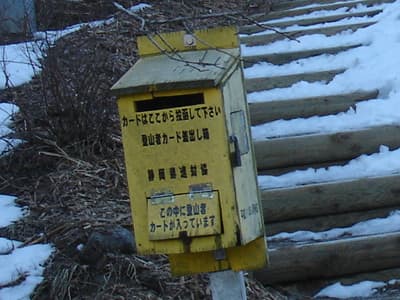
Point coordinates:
[(188, 152)]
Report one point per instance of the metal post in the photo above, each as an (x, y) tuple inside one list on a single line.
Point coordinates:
[(227, 285)]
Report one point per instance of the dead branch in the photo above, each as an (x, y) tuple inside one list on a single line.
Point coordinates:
[(21, 278), (206, 16), (38, 239), (61, 153), (267, 27), (174, 55), (136, 16)]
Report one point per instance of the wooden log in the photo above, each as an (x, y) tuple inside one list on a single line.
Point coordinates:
[(311, 288), (273, 15), (330, 198), (284, 170), (266, 83), (323, 148), (285, 5), (262, 112), (326, 19), (250, 29), (322, 223), (262, 39), (331, 259), (286, 57)]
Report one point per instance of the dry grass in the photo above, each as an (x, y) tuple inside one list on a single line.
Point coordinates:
[(70, 172)]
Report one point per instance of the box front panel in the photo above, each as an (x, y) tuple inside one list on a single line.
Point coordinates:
[(177, 157)]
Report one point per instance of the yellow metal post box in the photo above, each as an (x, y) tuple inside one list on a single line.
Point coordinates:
[(188, 152)]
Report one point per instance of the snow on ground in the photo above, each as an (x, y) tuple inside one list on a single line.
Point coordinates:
[(324, 62), (20, 62), (323, 13), (367, 67), (319, 5), (373, 67), (385, 162), (309, 42), (388, 224), (345, 21), (361, 289), (8, 212), (20, 268), (7, 111)]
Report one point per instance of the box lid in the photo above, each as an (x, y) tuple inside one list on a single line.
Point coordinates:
[(177, 71)]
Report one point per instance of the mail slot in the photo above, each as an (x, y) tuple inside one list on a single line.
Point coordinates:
[(188, 153)]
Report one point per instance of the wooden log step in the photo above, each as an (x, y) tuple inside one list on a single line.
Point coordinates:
[(273, 15), (321, 199), (262, 39), (284, 170), (311, 288), (326, 19), (267, 83), (331, 259), (320, 148), (323, 223), (285, 5), (250, 29), (262, 112), (286, 57)]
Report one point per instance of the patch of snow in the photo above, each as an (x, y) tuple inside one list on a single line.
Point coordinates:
[(361, 289), (375, 67), (6, 245), (385, 162), (26, 264), (9, 212), (7, 112), (80, 247), (139, 7), (346, 21), (323, 13), (388, 224), (319, 5), (310, 42), (20, 62), (324, 62), (20, 268)]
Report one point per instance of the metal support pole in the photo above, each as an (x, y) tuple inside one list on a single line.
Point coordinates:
[(227, 285)]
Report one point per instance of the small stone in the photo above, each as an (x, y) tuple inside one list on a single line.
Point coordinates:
[(115, 239)]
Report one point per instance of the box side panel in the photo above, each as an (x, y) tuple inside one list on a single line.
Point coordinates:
[(247, 192)]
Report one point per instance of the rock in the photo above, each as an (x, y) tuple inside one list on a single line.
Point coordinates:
[(115, 239)]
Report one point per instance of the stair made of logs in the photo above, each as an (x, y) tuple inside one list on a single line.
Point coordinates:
[(321, 206)]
